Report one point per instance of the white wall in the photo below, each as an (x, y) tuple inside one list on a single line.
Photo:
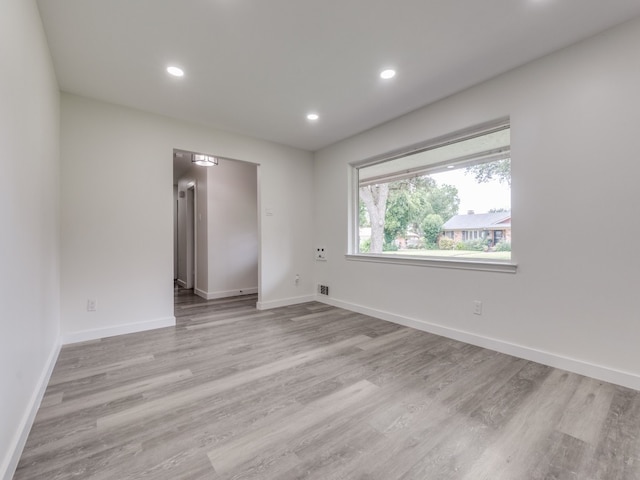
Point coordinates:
[(232, 229), (29, 242), (117, 215), (575, 118), (196, 177), (175, 231)]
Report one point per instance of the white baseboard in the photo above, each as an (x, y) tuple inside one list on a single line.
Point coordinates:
[(12, 457), (581, 367), (285, 302), (95, 334), (226, 293), (182, 283)]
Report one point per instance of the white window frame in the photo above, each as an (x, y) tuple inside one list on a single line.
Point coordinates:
[(353, 254)]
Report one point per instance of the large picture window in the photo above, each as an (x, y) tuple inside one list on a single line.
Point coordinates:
[(448, 199)]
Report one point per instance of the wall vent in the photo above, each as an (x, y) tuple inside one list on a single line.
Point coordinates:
[(323, 289)]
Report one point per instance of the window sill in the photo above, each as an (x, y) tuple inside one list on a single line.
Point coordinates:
[(434, 262)]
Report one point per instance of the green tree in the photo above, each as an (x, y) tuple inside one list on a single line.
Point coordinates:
[(444, 201), (403, 207), (431, 226), (363, 215), (485, 172), (407, 199)]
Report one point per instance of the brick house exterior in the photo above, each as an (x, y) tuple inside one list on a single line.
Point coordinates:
[(472, 226)]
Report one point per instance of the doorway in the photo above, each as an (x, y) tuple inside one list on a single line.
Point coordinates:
[(218, 226)]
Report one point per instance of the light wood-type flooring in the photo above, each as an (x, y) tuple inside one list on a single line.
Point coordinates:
[(315, 392)]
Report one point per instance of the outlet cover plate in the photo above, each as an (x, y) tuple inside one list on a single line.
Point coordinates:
[(321, 254)]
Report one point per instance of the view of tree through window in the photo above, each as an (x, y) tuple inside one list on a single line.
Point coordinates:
[(452, 200)]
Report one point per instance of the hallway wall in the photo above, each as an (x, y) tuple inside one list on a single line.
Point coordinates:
[(232, 229)]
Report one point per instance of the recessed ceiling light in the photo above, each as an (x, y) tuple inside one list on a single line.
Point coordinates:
[(313, 116), (175, 71), (387, 74)]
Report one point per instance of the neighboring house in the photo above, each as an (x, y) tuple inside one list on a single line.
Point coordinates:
[(494, 226)]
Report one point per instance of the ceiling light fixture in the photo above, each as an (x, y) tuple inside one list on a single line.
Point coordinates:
[(175, 71), (387, 74), (203, 160), (313, 116)]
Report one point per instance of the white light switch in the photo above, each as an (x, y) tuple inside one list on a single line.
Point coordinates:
[(477, 307), (92, 305)]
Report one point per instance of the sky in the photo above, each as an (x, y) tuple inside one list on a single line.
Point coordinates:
[(479, 197)]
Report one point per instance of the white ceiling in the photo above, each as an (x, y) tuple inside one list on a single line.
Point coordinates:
[(257, 67)]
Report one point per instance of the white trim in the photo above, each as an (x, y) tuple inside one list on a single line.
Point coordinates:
[(194, 219), (182, 283), (12, 457), (581, 367), (285, 302), (437, 142), (226, 293), (437, 262), (97, 333)]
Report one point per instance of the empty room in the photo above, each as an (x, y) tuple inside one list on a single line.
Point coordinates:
[(320, 240)]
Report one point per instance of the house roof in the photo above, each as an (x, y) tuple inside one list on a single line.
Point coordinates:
[(478, 221)]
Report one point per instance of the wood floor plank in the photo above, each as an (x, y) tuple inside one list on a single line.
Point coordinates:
[(177, 400), (564, 458), (272, 437), (617, 452), (51, 399), (224, 314), (101, 398), (397, 336), (586, 412), (311, 391), (322, 314), (84, 372), (217, 323), (523, 442)]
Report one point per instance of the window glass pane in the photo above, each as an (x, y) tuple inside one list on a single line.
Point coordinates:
[(450, 201)]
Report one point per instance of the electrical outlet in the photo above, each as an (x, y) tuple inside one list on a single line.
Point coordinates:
[(321, 254), (296, 282), (92, 305), (477, 307)]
